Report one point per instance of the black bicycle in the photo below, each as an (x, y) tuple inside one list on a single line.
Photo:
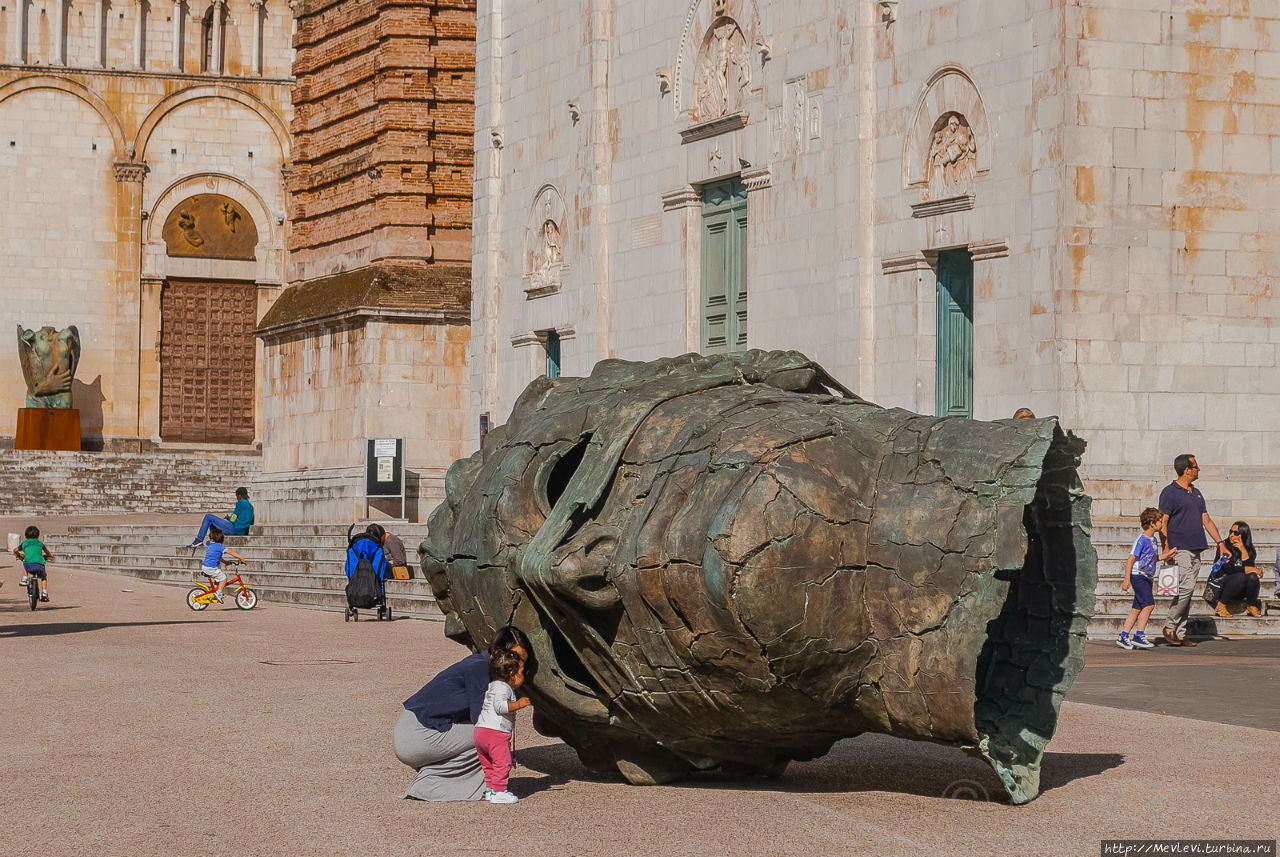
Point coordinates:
[(33, 590)]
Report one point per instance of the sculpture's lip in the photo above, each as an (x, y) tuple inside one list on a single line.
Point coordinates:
[(554, 677)]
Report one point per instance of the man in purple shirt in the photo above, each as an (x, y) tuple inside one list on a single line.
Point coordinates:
[(1183, 524)]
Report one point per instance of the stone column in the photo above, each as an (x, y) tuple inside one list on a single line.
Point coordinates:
[(215, 61), (127, 322), (256, 6), (59, 35), (177, 35), (99, 33), (19, 16), (139, 33)]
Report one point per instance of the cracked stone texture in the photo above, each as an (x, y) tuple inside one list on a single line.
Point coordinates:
[(734, 561)]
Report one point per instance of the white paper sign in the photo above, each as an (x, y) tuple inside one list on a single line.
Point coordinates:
[(386, 469), (384, 446)]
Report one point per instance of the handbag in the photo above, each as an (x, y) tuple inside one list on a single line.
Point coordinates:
[(1166, 581), (1213, 586)]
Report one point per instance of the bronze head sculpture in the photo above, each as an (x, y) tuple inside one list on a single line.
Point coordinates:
[(49, 359), (734, 561)]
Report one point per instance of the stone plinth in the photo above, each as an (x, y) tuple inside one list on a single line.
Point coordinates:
[(48, 428)]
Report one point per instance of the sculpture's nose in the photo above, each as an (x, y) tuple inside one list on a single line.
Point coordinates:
[(579, 568)]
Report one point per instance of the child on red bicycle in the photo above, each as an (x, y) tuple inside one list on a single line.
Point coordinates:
[(34, 555), (214, 556)]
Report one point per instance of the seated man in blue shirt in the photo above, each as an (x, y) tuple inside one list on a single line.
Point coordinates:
[(237, 523)]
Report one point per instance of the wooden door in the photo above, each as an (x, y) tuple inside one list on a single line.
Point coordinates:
[(207, 372), (724, 267), (955, 334)]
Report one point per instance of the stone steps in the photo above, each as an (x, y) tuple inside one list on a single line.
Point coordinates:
[(46, 483), (302, 564), (289, 565)]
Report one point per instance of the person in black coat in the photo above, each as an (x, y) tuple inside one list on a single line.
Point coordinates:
[(1242, 578)]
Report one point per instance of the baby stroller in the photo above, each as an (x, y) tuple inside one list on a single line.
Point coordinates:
[(366, 570)]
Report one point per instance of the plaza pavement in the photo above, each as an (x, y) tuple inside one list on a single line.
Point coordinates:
[(128, 719)]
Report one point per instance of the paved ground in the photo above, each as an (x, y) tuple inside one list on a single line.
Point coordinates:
[(127, 717)]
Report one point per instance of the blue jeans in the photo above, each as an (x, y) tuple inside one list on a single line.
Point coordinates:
[(213, 521)]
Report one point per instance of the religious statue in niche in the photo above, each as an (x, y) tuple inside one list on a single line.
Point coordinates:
[(49, 359), (732, 561), (952, 160), (723, 71), (552, 253), (544, 242)]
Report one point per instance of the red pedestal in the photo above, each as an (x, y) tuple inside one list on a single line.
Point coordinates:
[(48, 428)]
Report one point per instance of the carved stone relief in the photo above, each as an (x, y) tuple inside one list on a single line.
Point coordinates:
[(795, 114), (714, 71), (544, 247), (947, 149), (952, 160), (723, 72), (210, 225)]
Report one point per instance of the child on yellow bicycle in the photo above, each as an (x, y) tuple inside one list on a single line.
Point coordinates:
[(34, 555), (214, 556)]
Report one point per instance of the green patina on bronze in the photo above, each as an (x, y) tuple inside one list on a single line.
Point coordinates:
[(733, 561), (49, 358)]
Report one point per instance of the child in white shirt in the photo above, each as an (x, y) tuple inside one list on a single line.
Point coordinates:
[(496, 720)]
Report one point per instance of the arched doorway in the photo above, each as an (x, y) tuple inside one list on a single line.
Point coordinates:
[(207, 349)]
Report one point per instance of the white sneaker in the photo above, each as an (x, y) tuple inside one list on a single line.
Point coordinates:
[(23, 582), (501, 797)]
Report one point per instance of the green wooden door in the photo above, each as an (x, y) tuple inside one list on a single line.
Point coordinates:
[(724, 267), (955, 334)]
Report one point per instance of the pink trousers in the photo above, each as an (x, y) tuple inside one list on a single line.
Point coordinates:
[(493, 746)]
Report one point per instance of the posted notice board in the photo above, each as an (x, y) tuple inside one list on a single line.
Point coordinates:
[(384, 467)]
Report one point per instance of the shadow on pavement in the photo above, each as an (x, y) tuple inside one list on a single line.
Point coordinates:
[(1058, 769), (52, 628), (875, 763)]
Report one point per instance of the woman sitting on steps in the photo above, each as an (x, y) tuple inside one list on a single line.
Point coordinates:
[(1243, 579)]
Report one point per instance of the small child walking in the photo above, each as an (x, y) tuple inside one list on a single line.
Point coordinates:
[(1139, 572), (497, 719), (34, 555)]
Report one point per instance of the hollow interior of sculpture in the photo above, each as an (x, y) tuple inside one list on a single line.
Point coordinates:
[(1035, 646)]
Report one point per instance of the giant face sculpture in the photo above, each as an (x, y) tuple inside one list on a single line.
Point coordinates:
[(734, 561)]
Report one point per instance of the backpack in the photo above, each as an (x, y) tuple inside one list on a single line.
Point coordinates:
[(1218, 576), (365, 569)]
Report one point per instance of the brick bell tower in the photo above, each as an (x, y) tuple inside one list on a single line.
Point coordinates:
[(370, 338)]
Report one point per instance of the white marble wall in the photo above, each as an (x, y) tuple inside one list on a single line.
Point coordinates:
[(1123, 198)]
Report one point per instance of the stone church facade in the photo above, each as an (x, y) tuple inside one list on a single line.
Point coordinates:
[(143, 161), (957, 207)]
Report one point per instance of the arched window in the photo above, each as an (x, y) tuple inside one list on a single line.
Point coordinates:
[(213, 29)]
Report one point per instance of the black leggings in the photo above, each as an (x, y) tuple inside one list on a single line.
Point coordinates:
[(1240, 587)]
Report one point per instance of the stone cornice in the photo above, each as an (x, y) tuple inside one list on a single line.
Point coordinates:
[(997, 249), (714, 127), (86, 71), (685, 197), (943, 206), (363, 315), (905, 263), (757, 178)]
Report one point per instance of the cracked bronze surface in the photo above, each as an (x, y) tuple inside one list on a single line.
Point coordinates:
[(734, 561)]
